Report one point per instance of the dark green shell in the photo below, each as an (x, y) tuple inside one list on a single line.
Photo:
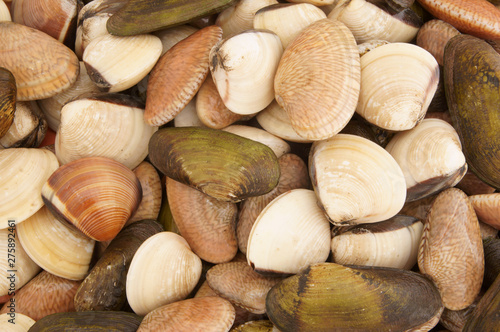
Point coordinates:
[(88, 321)]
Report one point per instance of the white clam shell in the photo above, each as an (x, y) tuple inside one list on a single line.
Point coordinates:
[(356, 180), (163, 270), (22, 323), (291, 233), (4, 12)]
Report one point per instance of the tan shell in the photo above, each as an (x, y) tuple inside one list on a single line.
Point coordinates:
[(95, 194), (188, 116), (28, 129), (163, 270), (409, 75), (22, 323), (451, 250), (290, 234), (279, 146), (21, 263), (171, 36), (487, 208), (206, 223), (240, 284), (24, 172), (4, 12), (55, 247), (434, 35), (356, 180), (319, 95), (208, 314), (42, 66), (151, 193)]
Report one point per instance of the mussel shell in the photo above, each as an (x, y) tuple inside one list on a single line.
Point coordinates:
[(110, 321), (332, 297), (485, 316), (7, 100), (491, 260), (220, 164)]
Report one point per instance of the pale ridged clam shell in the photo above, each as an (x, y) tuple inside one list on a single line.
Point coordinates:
[(117, 63), (487, 208), (356, 180), (279, 146), (4, 12), (24, 267), (106, 125), (163, 270), (24, 172), (188, 117), (171, 36), (409, 76), (319, 95), (434, 35), (42, 66), (306, 240), (55, 247), (22, 323), (95, 194), (243, 67)]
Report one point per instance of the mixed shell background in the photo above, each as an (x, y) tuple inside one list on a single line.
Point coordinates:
[(251, 165)]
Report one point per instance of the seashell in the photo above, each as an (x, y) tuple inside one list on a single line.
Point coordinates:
[(171, 36), (431, 157), (207, 224), (22, 323), (51, 107), (4, 12), (418, 208), (210, 107), (199, 314), (467, 62), (28, 129), (167, 266), (453, 257), (275, 120), (24, 172), (188, 116), (487, 208), (54, 17), (472, 185), (112, 193), (356, 180), (434, 35), (104, 287), (44, 295), (42, 66), (110, 321), (220, 164), (474, 17), (240, 16), (150, 205), (63, 251), (485, 316), (255, 326), (409, 75), (487, 231), (390, 243), (366, 47), (369, 20), (178, 75), (491, 248), (240, 284), (359, 127), (319, 95), (287, 20), (306, 240), (243, 67), (106, 125), (330, 296), (137, 16), (7, 100), (293, 175), (279, 146), (117, 63), (454, 320), (316, 2), (21, 263)]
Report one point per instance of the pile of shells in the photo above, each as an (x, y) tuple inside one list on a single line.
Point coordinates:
[(249, 165)]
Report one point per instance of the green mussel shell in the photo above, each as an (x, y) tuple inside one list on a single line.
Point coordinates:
[(89, 321), (332, 297), (142, 16), (218, 163), (8, 93), (472, 86)]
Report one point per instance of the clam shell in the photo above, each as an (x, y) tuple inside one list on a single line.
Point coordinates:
[(28, 129), (7, 100), (329, 296), (105, 125), (163, 270), (4, 12), (55, 247), (279, 146), (116, 63), (434, 35), (24, 172), (356, 180), (96, 194), (44, 295), (42, 66), (451, 250), (22, 323), (409, 75), (487, 208), (150, 205), (243, 68), (220, 164), (188, 116), (319, 95), (171, 36), (485, 315), (178, 75), (200, 314)]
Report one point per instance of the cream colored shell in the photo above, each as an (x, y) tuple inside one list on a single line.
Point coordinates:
[(19, 323), (4, 12), (24, 172)]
